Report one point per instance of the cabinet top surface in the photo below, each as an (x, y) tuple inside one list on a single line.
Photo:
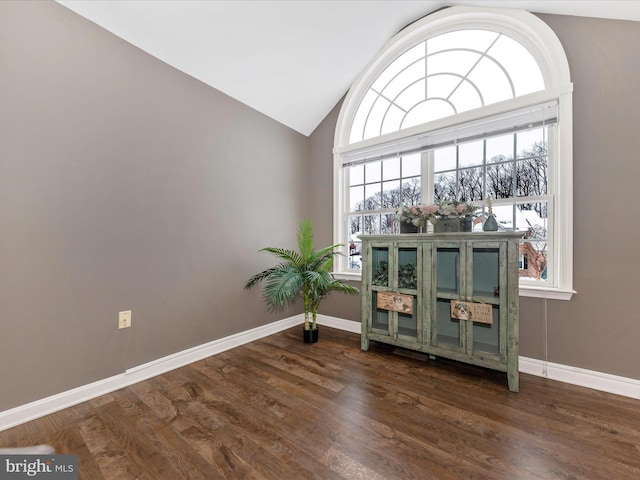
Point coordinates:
[(446, 236)]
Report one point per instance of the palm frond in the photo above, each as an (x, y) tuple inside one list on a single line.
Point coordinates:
[(340, 285), (305, 238), (282, 287), (324, 282), (268, 273), (330, 250), (284, 254), (323, 256), (258, 277)]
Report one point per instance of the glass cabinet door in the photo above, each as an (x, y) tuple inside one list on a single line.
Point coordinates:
[(380, 320), (408, 322), (394, 283), (380, 266), (448, 271), (488, 270), (407, 268), (379, 316), (406, 282), (447, 332)]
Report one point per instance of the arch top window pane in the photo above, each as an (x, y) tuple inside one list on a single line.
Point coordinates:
[(392, 119), (453, 61), (492, 81), (374, 122), (357, 127), (411, 96), (400, 63), (466, 97), (442, 85), (520, 64), (404, 78), (427, 111), (476, 39)]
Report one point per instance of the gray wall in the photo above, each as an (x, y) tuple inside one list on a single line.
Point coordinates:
[(125, 184), (599, 328)]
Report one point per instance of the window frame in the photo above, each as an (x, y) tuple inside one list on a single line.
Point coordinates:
[(538, 38)]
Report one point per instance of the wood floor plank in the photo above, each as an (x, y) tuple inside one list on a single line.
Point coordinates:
[(280, 432), (281, 409)]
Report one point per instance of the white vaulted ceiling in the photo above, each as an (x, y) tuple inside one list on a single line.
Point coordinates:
[(291, 60)]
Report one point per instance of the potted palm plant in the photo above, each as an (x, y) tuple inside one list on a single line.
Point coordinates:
[(306, 273)]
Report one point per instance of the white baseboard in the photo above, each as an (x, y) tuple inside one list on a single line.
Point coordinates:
[(605, 382), (54, 403), (627, 387), (338, 323)]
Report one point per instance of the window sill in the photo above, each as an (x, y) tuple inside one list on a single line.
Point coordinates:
[(542, 292), (525, 290)]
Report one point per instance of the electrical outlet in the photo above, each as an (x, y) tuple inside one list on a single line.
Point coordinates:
[(124, 319)]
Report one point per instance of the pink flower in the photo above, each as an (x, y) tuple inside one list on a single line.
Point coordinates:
[(461, 208), (428, 209)]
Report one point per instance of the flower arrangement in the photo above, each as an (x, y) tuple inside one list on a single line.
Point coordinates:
[(419, 214), (416, 215)]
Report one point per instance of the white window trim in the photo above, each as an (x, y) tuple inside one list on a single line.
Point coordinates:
[(544, 45)]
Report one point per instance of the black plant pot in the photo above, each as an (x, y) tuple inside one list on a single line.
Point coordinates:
[(454, 224), (408, 228), (310, 336)]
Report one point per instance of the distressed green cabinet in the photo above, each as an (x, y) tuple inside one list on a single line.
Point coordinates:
[(453, 295)]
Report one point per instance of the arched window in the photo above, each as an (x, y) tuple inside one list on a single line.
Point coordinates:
[(465, 104), (445, 75)]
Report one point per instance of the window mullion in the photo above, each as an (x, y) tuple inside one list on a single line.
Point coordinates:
[(427, 180)]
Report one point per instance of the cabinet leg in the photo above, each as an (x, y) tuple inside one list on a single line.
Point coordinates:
[(364, 343), (513, 378)]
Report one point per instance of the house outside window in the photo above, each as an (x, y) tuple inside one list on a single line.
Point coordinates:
[(465, 104)]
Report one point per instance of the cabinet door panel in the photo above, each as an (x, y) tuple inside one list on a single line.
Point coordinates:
[(380, 266), (486, 271), (408, 323), (379, 317), (486, 337), (448, 330), (408, 268), (448, 270)]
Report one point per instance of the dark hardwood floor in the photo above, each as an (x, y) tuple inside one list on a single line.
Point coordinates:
[(279, 409)]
